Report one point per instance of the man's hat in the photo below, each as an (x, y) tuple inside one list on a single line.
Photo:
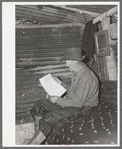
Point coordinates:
[(74, 54)]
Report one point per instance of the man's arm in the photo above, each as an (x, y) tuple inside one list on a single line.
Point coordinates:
[(82, 94), (61, 82)]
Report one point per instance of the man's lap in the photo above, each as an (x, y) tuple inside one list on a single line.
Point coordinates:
[(43, 106)]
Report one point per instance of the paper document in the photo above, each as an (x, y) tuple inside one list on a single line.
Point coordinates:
[(52, 87)]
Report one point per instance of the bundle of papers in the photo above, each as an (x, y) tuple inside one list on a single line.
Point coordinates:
[(52, 87)]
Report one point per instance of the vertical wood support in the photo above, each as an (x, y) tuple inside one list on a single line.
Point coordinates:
[(110, 60)]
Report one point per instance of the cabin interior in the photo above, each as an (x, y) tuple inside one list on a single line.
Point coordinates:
[(43, 32)]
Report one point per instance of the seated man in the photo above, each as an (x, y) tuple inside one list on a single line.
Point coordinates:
[(81, 96)]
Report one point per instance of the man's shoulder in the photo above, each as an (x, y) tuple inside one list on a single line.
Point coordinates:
[(88, 75)]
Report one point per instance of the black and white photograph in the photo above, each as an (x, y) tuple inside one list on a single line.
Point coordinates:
[(66, 74)]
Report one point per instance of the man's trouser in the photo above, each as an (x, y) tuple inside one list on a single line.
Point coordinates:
[(52, 113)]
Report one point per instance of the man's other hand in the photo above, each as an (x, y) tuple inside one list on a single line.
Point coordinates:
[(53, 99), (47, 96), (57, 80)]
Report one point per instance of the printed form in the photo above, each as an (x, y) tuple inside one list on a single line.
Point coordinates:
[(52, 87)]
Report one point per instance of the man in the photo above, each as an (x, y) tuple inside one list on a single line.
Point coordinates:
[(81, 96)]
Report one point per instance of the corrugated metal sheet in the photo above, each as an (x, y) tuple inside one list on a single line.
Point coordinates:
[(47, 15), (94, 8), (38, 52), (45, 45)]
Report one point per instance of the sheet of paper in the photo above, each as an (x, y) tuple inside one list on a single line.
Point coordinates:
[(51, 86)]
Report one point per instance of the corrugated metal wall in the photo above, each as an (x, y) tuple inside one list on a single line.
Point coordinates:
[(45, 45), (45, 14), (38, 52)]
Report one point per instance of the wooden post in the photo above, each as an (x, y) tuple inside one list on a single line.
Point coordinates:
[(110, 60)]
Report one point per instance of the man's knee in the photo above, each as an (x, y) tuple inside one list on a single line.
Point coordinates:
[(38, 109)]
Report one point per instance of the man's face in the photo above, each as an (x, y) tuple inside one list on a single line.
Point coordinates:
[(71, 64)]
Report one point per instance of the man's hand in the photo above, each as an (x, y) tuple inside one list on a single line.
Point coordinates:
[(57, 80), (53, 99), (47, 96)]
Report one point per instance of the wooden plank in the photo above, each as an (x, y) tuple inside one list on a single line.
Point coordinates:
[(105, 69), (52, 25), (106, 14), (38, 59), (32, 64), (37, 55), (49, 67), (65, 70), (36, 51), (98, 67), (102, 69), (49, 39), (73, 16), (47, 14), (78, 10), (44, 31)]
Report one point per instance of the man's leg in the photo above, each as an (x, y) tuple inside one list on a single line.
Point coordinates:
[(53, 117), (56, 115), (41, 107)]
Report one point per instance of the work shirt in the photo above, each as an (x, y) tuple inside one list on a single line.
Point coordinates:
[(83, 91)]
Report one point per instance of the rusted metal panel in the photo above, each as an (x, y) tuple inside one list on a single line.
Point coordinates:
[(46, 44), (47, 15), (93, 8)]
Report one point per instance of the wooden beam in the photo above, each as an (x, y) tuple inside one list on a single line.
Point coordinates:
[(94, 14), (52, 25), (105, 15)]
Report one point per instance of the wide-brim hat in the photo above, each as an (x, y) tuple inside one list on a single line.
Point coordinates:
[(73, 54)]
